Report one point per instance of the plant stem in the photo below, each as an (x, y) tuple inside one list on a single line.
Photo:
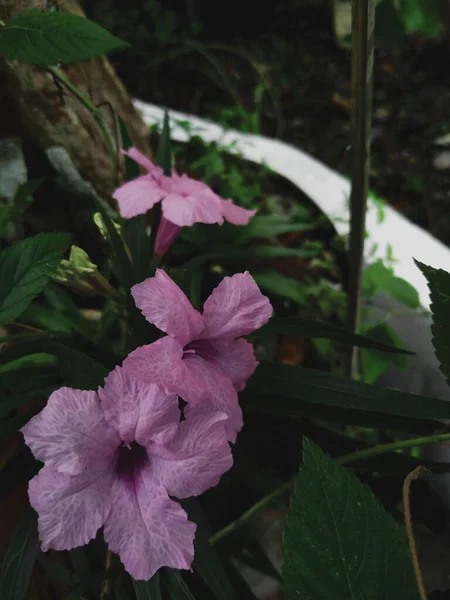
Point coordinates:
[(253, 510), (416, 474), (343, 460), (393, 446), (363, 20), (96, 113), (106, 587)]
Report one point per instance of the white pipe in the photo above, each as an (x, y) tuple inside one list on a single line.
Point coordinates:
[(328, 189)]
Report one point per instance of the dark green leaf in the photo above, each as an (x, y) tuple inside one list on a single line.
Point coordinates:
[(135, 229), (255, 401), (10, 426), (375, 363), (78, 370), (422, 16), (389, 30), (279, 284), (121, 259), (148, 590), (206, 561), (164, 153), (48, 38), (266, 226), (338, 538), (439, 285), (18, 563), (19, 386), (316, 329), (164, 160), (377, 278), (319, 387), (176, 585), (25, 270)]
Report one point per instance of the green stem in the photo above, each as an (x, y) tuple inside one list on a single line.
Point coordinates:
[(343, 460), (253, 510), (392, 447), (96, 113), (363, 20)]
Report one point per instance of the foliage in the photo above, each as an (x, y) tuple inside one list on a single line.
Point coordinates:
[(60, 334), (47, 39), (330, 512)]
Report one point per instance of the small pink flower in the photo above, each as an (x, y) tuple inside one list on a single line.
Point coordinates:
[(112, 459), (201, 358), (184, 201)]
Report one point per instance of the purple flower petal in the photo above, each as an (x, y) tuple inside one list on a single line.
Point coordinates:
[(147, 529), (164, 304), (236, 214), (235, 358), (70, 434), (136, 409), (184, 211), (236, 307), (195, 458), (143, 161), (138, 196), (165, 237), (71, 509), (217, 393)]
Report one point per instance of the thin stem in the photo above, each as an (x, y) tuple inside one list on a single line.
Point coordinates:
[(253, 510), (363, 20), (393, 446), (343, 460), (418, 473), (96, 113), (106, 587)]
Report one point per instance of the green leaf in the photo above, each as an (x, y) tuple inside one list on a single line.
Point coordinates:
[(121, 259), (378, 278), (148, 590), (25, 269), (164, 153), (279, 284), (389, 30), (316, 329), (18, 563), (319, 387), (18, 386), (78, 370), (339, 541), (164, 160), (135, 229), (176, 585), (48, 38), (422, 16), (374, 363), (266, 226), (439, 285)]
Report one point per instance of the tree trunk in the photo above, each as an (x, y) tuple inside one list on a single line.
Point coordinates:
[(51, 116)]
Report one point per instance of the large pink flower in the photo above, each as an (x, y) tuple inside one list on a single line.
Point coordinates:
[(201, 358), (113, 459), (184, 201)]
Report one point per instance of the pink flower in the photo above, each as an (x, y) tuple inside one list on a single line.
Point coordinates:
[(112, 459), (201, 358), (184, 201)]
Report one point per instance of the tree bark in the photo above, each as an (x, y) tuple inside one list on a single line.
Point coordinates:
[(51, 116)]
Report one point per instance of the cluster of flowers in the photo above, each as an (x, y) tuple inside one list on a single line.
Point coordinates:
[(114, 458)]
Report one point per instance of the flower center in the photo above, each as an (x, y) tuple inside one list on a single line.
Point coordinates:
[(131, 460)]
